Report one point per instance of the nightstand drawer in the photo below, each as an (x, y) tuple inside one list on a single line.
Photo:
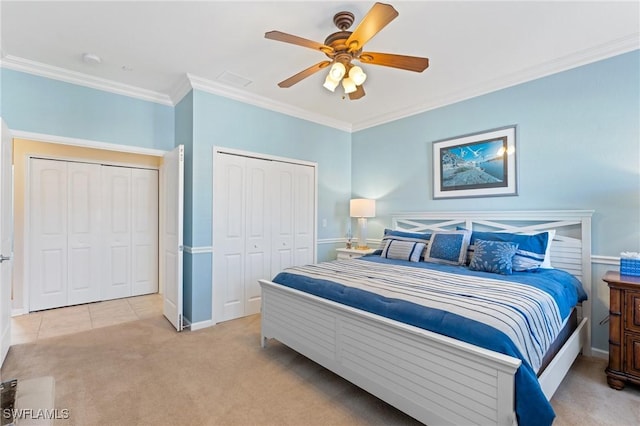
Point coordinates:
[(632, 357), (344, 256), (345, 253), (632, 303)]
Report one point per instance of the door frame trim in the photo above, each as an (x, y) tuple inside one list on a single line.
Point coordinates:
[(86, 143)]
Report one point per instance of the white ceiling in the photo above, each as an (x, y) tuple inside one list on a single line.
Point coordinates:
[(474, 47)]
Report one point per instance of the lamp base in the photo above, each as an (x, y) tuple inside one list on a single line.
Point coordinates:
[(362, 237)]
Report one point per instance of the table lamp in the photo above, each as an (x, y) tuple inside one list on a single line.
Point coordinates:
[(362, 208)]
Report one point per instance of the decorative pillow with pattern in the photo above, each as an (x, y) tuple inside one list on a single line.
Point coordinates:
[(405, 250), (418, 237), (531, 251), (448, 247), (493, 256)]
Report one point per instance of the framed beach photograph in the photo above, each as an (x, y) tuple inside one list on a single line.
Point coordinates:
[(476, 165)]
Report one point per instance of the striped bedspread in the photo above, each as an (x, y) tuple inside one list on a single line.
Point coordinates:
[(525, 314), (518, 315)]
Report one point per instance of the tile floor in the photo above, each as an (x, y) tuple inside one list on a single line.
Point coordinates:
[(72, 319)]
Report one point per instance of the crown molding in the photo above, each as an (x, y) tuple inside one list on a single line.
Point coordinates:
[(188, 82), (180, 89), (579, 58), (260, 101), (49, 71)]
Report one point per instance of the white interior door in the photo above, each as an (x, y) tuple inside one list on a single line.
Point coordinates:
[(144, 226), (171, 235), (304, 215), (229, 236), (282, 225), (48, 234), (257, 231), (84, 240), (117, 211), (6, 239)]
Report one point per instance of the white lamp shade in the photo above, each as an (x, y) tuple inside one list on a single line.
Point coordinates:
[(337, 71), (349, 85), (357, 75), (330, 84), (362, 207)]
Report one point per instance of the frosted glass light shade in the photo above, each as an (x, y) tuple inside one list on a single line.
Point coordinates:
[(357, 75), (362, 207), (337, 71), (349, 85), (330, 84)]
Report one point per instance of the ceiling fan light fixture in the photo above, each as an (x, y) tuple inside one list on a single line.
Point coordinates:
[(337, 71), (357, 75), (330, 84), (349, 85)]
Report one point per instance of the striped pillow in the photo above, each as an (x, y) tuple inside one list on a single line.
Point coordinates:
[(404, 250), (417, 237)]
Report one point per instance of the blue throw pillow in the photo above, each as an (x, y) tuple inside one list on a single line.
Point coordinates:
[(531, 248), (448, 247), (493, 256)]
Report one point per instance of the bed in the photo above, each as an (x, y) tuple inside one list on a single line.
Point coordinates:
[(435, 378)]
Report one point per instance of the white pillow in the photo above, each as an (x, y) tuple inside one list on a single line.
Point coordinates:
[(546, 263), (405, 250)]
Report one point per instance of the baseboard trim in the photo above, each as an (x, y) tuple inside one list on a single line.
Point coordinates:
[(202, 324), (599, 353), (18, 311)]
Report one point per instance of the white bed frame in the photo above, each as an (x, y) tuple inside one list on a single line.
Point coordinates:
[(433, 378)]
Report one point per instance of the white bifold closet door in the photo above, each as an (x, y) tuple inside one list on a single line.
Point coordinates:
[(93, 233), (64, 228), (264, 215), (292, 228), (130, 210), (242, 229)]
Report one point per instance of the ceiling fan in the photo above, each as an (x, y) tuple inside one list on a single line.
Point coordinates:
[(344, 46)]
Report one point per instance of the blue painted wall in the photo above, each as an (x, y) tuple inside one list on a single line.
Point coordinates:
[(222, 122), (578, 147), (42, 105)]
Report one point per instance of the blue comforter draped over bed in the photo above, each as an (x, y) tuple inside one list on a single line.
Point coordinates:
[(390, 296)]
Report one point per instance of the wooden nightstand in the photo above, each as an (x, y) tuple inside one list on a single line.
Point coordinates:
[(624, 329), (345, 253)]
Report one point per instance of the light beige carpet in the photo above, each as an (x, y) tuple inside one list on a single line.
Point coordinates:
[(144, 373)]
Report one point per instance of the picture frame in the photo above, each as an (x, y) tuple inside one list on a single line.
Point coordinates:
[(476, 165)]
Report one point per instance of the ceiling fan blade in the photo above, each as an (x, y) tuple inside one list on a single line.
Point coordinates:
[(357, 94), (375, 20), (410, 63), (303, 74), (288, 38)]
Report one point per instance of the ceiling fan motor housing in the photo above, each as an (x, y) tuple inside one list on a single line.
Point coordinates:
[(343, 20)]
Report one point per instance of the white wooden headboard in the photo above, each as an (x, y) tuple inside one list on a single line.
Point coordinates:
[(570, 249)]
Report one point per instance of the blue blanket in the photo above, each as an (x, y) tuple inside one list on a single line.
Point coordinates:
[(532, 407)]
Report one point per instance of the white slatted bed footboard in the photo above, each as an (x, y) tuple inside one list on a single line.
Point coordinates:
[(433, 378)]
